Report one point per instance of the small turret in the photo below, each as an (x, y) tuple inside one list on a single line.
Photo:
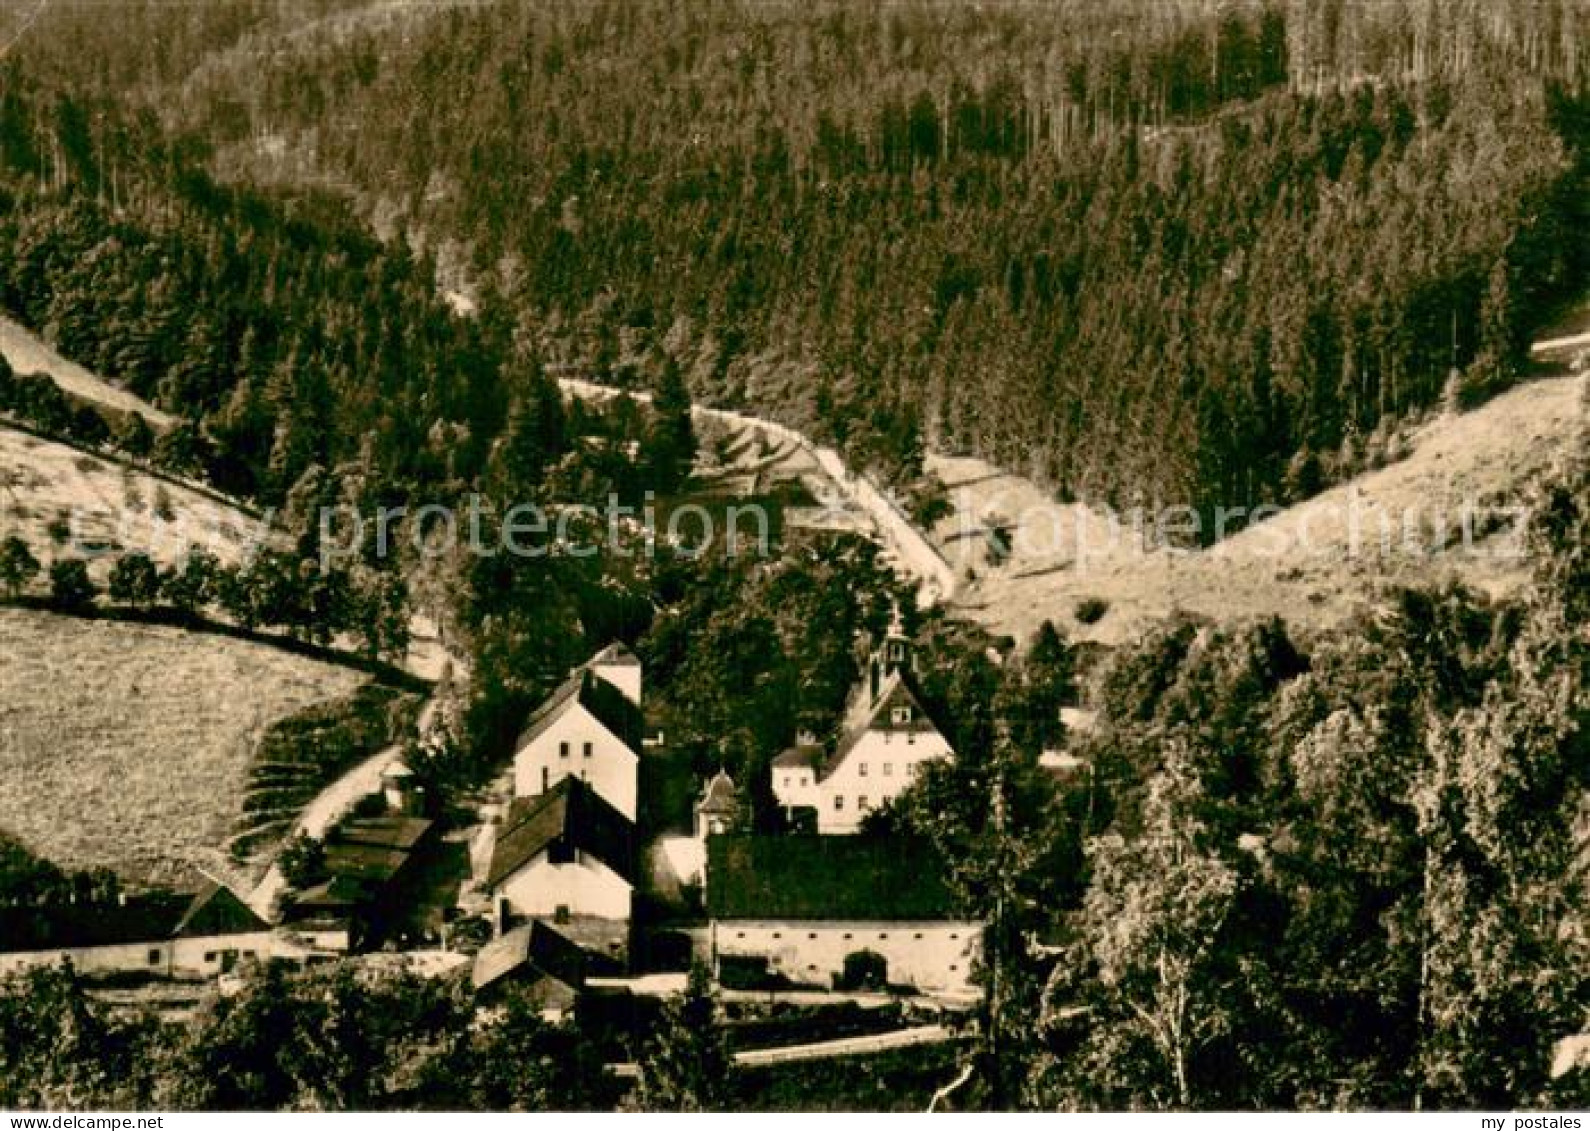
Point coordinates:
[(398, 787), (718, 808), (894, 655)]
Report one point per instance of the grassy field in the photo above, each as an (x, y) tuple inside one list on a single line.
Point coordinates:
[(100, 504), (1315, 563), (29, 353), (130, 746)]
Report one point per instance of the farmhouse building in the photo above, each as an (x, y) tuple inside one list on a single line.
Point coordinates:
[(887, 738), (169, 936), (567, 857), (591, 729), (369, 861), (831, 911), (548, 968)]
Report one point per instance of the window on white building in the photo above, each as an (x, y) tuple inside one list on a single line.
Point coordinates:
[(902, 715), (862, 803), (888, 769), (839, 802), (154, 958), (563, 750), (586, 752), (861, 769)]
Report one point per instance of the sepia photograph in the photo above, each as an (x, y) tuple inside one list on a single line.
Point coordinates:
[(767, 556)]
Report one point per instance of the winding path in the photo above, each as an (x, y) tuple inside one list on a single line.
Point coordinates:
[(903, 543), (329, 806)]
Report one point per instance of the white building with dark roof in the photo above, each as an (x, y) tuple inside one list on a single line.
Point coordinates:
[(887, 738), (817, 911), (569, 858), (590, 728)]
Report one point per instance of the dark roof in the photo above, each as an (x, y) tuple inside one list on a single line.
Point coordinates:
[(806, 754), (570, 815), (365, 863), (217, 911), (401, 833), (138, 919), (610, 706), (150, 918), (534, 949), (837, 878), (719, 796), (339, 892), (899, 689)]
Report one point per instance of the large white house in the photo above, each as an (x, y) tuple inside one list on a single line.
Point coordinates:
[(567, 857), (887, 738), (590, 728)]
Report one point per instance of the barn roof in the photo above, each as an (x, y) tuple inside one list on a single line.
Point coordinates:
[(834, 878), (151, 918), (215, 910), (533, 948), (401, 833), (570, 814)]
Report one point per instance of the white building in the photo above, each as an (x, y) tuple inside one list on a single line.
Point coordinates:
[(170, 937), (567, 857), (887, 739), (812, 911), (591, 729)]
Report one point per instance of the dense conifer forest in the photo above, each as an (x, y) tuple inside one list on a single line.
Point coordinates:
[(1142, 252), (1191, 252)]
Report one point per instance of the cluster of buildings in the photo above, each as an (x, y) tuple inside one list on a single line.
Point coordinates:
[(816, 907), (566, 869)]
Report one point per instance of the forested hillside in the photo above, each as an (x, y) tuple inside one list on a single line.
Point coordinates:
[(1193, 252)]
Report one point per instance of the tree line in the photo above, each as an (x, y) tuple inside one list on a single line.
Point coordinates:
[(1341, 871)]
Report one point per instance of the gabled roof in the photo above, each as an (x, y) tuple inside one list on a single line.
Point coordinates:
[(900, 689), (215, 910), (606, 703), (340, 891), (365, 863), (137, 919), (533, 947), (825, 878), (153, 918), (571, 815)]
